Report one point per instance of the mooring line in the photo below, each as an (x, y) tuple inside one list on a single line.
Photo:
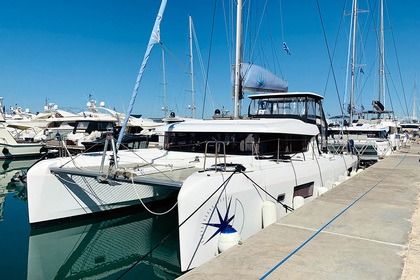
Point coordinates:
[(327, 224)]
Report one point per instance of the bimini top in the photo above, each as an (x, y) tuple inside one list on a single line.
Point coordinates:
[(305, 106)]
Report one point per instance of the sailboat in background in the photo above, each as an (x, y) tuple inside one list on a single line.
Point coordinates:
[(366, 137), (380, 115), (231, 176)]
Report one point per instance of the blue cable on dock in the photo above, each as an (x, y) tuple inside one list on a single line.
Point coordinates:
[(327, 224)]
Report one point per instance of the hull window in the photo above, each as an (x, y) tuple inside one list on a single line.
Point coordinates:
[(305, 190)]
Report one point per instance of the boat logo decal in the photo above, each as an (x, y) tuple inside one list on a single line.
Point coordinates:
[(224, 222)]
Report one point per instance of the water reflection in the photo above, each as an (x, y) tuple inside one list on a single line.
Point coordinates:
[(107, 249), (92, 249), (12, 179)]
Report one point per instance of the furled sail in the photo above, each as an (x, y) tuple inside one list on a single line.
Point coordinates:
[(258, 79), (154, 38)]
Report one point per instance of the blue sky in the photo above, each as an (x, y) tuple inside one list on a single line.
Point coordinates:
[(68, 50)]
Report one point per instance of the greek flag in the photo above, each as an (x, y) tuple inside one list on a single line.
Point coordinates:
[(286, 48)]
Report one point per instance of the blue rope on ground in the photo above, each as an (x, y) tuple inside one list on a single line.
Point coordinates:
[(327, 224)]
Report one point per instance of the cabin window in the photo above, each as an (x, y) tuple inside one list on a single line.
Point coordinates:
[(54, 124), (312, 110), (82, 126), (304, 190), (237, 143), (289, 107), (88, 127)]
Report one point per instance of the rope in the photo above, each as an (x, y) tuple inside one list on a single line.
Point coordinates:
[(144, 205), (176, 229), (285, 206), (327, 224)]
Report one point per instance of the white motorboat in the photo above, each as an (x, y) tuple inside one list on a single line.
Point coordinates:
[(87, 130), (10, 148)]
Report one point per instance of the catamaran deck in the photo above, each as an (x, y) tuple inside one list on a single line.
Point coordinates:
[(365, 228), (167, 176)]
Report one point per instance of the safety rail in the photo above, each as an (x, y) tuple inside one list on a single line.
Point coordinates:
[(217, 146)]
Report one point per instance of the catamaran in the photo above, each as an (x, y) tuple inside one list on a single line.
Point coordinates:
[(230, 176)]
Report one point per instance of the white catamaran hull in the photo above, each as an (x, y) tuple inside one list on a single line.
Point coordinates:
[(56, 193), (208, 202)]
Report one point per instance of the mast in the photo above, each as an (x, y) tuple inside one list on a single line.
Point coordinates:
[(349, 48), (381, 55), (192, 71), (238, 59), (165, 107), (353, 60), (414, 99)]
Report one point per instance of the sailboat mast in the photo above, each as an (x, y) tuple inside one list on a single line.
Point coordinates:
[(238, 59), (192, 71), (381, 55), (414, 99), (353, 60), (348, 65), (165, 107)]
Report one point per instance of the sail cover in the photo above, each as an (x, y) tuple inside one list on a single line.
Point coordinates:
[(258, 79), (154, 38)]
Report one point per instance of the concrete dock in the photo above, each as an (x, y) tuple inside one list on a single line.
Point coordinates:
[(368, 227)]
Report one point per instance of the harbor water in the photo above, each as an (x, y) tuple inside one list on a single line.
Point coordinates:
[(139, 245)]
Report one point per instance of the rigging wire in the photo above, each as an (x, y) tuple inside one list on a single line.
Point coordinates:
[(329, 55), (201, 64), (227, 32), (386, 64), (335, 46), (377, 42), (258, 30), (281, 22), (389, 94), (395, 89), (398, 61), (208, 61), (360, 33), (224, 184)]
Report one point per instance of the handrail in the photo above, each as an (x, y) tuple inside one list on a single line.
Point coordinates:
[(216, 153)]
